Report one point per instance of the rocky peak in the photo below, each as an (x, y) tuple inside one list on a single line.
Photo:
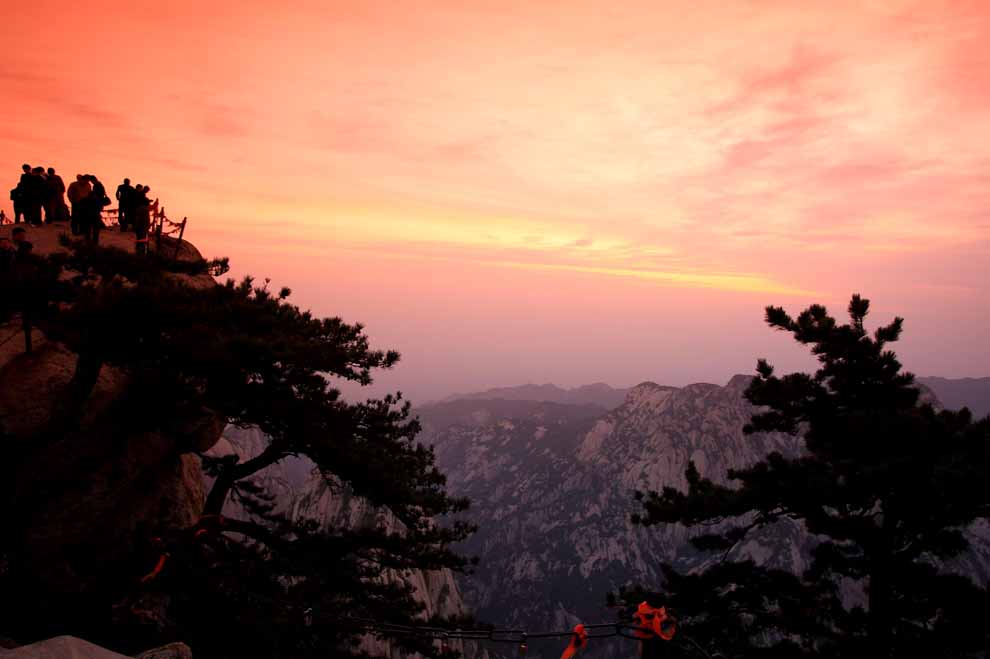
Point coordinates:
[(739, 382), (647, 394), (555, 519)]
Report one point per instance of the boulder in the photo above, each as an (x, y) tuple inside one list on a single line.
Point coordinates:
[(84, 497), (61, 647)]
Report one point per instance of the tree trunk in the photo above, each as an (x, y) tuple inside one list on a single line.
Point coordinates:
[(218, 493), (68, 410), (880, 621), (230, 475)]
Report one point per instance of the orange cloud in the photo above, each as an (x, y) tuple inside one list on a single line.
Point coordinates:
[(752, 148)]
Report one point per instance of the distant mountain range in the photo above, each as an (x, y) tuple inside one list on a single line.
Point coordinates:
[(551, 473), (551, 485), (599, 394), (953, 393)]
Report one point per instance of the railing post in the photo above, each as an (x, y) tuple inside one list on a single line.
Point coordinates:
[(158, 236), (178, 244)]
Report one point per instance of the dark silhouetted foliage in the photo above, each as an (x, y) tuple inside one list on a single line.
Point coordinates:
[(887, 484), (265, 585)]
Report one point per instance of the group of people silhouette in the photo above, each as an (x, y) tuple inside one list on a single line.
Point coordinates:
[(40, 190), (135, 209)]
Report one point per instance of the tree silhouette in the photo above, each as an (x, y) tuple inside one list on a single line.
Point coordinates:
[(887, 484), (264, 585)]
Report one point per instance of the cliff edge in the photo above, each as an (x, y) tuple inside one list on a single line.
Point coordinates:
[(82, 497)]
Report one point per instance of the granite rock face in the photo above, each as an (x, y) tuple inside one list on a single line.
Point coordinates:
[(303, 494), (84, 495), (170, 651), (336, 507), (60, 647), (552, 490)]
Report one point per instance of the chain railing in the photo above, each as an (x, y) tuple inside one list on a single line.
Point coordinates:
[(161, 226), (110, 217)]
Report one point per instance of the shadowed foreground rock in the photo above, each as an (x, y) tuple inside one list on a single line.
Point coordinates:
[(83, 495), (61, 647), (70, 647), (170, 651)]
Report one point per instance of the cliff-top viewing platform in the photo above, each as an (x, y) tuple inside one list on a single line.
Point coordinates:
[(46, 239)]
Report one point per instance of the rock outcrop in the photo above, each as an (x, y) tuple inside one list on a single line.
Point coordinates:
[(60, 647), (81, 497), (70, 647), (552, 489), (301, 494), (336, 507)]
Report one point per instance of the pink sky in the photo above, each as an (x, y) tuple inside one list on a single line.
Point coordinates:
[(545, 191)]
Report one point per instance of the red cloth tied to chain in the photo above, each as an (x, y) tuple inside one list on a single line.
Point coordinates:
[(208, 524), (578, 642), (159, 566), (654, 621)]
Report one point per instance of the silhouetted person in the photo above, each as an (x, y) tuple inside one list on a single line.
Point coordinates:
[(124, 204), (93, 205), (142, 218), (55, 199), (36, 190), (78, 191), (20, 193)]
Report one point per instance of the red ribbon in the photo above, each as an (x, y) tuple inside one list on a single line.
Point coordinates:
[(578, 642), (651, 622)]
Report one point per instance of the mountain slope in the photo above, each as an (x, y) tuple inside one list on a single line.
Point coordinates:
[(553, 491), (598, 393), (301, 494), (955, 394)]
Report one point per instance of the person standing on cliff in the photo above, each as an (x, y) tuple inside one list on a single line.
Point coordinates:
[(125, 194), (77, 193), (92, 222), (142, 218), (55, 200), (37, 191), (20, 193)]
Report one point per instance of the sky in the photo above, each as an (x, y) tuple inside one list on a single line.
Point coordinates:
[(567, 192)]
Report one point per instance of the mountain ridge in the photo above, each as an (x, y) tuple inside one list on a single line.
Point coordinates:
[(953, 393), (552, 490), (597, 393)]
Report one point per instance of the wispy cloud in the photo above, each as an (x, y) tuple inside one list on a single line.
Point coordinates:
[(783, 148)]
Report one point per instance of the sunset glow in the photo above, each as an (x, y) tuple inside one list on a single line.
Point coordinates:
[(545, 191)]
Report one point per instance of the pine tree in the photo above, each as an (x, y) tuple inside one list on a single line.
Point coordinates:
[(886, 483), (264, 586)]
